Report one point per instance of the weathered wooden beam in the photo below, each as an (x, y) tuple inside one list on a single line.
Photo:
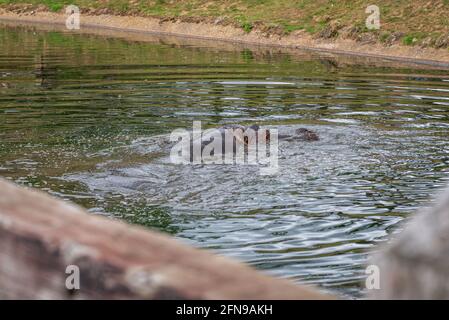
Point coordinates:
[(416, 264), (40, 236)]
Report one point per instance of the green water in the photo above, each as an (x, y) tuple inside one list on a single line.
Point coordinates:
[(84, 118)]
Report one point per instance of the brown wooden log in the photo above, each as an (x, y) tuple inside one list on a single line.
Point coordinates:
[(40, 236)]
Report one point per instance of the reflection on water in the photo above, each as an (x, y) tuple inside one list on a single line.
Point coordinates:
[(87, 119)]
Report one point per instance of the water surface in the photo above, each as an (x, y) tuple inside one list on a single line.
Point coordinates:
[(86, 118)]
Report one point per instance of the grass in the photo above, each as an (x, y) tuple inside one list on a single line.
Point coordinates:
[(55, 7), (384, 37), (247, 27), (421, 17), (288, 28), (52, 5), (416, 37), (408, 40)]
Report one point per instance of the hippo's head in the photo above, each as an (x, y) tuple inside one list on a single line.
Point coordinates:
[(256, 129), (307, 135)]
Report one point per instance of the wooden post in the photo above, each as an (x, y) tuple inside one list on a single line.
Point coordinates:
[(41, 236)]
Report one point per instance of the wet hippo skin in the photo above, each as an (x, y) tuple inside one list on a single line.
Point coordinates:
[(301, 134)]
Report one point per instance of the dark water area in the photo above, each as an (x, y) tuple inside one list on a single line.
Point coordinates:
[(87, 119)]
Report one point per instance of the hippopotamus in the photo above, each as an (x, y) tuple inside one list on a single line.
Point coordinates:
[(301, 134), (236, 132), (245, 135), (234, 139)]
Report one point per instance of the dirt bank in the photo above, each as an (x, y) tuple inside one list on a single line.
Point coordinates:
[(229, 33)]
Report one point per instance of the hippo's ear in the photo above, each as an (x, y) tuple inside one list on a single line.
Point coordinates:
[(255, 127)]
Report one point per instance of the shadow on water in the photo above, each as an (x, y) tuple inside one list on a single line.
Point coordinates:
[(87, 118)]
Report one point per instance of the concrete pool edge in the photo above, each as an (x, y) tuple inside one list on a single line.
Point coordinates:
[(228, 34)]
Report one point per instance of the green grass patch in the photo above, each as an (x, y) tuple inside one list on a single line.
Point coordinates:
[(247, 27), (414, 38), (55, 7), (384, 36), (288, 28), (409, 40)]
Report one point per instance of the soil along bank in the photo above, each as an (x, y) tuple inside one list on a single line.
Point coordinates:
[(205, 29), (40, 237), (420, 22)]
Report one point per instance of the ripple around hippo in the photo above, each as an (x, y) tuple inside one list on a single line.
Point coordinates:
[(234, 188)]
